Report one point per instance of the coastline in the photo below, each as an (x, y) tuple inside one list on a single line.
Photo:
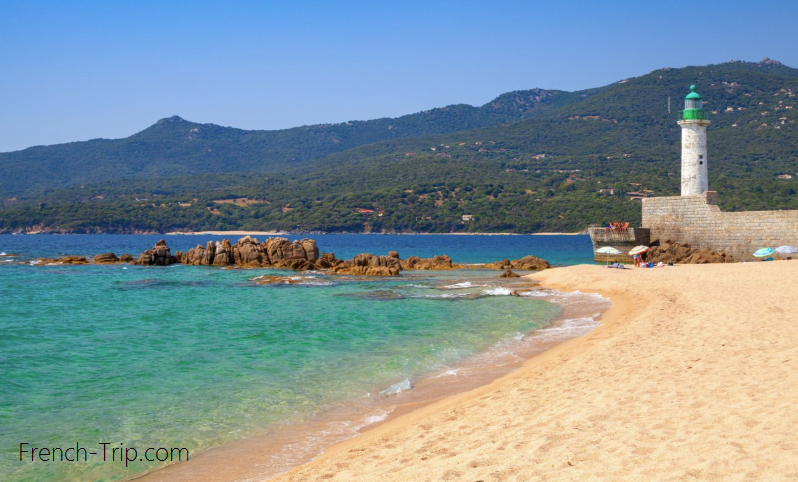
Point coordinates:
[(681, 380), (294, 443), (281, 233)]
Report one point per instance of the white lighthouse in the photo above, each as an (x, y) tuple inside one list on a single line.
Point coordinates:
[(694, 145)]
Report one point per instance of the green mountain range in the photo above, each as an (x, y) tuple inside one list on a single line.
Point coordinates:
[(535, 160)]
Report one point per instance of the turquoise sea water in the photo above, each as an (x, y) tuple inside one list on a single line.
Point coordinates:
[(196, 356)]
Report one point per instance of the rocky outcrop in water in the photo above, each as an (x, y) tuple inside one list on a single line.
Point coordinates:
[(159, 255), (298, 255), (682, 253), (106, 258), (530, 263), (367, 264), (111, 258), (64, 260), (442, 262), (509, 274), (248, 252)]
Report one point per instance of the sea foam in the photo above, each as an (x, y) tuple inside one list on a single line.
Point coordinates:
[(457, 286), (396, 388), (500, 291)]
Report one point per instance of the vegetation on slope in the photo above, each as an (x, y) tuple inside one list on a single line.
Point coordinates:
[(568, 160)]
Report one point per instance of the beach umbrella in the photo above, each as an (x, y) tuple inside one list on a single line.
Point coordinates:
[(638, 250), (608, 250), (787, 250), (763, 252)]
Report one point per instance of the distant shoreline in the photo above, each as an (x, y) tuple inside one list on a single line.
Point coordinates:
[(272, 233), (283, 233)]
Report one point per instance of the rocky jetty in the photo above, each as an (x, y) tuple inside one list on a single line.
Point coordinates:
[(530, 263), (682, 253)]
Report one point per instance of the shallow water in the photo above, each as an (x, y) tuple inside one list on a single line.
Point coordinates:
[(197, 357)]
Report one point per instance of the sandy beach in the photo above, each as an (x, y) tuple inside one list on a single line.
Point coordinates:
[(690, 377)]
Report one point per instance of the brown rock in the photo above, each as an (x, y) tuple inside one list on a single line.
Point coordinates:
[(159, 255), (442, 262), (64, 260), (107, 258), (367, 264), (223, 253), (126, 258), (683, 253), (326, 261), (297, 255), (509, 274), (273, 280), (276, 249), (531, 263), (198, 255), (311, 251), (248, 252)]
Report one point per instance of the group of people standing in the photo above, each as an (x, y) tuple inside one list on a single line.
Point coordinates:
[(618, 227)]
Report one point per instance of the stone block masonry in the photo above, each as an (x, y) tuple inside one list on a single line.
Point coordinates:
[(623, 241), (698, 220)]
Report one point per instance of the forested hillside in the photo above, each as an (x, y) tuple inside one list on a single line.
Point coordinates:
[(176, 147), (538, 161)]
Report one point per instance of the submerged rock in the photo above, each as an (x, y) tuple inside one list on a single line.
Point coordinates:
[(283, 280)]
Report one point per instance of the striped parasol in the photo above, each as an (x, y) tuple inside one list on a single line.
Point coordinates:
[(787, 250), (638, 250), (608, 250)]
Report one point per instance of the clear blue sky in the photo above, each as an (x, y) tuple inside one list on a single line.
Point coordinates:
[(77, 70)]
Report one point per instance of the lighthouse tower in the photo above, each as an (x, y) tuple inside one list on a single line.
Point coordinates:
[(694, 145)]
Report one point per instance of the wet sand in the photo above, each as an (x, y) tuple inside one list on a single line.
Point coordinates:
[(690, 377)]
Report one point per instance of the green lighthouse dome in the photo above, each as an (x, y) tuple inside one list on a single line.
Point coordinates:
[(693, 94), (693, 106)]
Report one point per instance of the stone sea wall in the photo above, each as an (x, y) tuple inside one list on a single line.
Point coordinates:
[(698, 220), (622, 240)]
